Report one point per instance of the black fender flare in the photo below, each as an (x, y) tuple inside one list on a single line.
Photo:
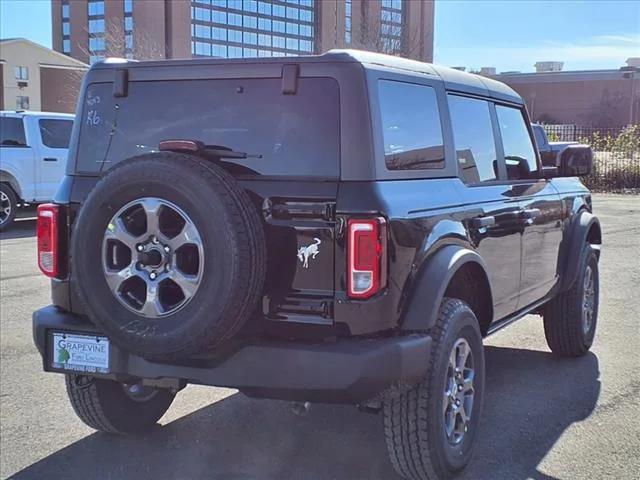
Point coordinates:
[(430, 285), (580, 228)]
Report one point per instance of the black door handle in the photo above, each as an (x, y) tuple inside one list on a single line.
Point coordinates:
[(50, 159), (482, 222)]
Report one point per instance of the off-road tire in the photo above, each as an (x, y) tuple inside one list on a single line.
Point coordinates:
[(563, 322), (104, 406), (235, 256), (13, 202), (413, 424)]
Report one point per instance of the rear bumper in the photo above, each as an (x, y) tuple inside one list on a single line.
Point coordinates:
[(345, 371)]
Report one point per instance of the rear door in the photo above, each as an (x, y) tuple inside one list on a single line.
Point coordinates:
[(54, 134), (492, 209), (291, 172), (17, 156), (541, 208)]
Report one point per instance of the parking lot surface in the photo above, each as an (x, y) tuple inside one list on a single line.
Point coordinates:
[(544, 418)]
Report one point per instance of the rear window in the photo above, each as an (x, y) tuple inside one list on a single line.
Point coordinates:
[(296, 135), (55, 133), (411, 127), (12, 132)]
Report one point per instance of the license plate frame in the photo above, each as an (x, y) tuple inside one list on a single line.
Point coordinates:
[(79, 352)]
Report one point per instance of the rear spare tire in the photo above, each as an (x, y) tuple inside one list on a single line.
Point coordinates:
[(168, 255)]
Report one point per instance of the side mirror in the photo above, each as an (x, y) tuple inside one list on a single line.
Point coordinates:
[(576, 161), (517, 167)]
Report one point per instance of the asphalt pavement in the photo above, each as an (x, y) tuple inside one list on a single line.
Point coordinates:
[(544, 418)]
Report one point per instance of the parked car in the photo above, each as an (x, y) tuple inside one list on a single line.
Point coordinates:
[(33, 151), (343, 228), (550, 152)]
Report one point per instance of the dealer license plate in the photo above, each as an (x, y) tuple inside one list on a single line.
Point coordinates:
[(80, 353)]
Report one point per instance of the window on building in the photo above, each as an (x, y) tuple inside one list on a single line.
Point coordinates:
[(253, 23), (218, 50), (519, 152), (473, 139), (12, 132), (22, 73), (128, 24), (128, 41), (128, 6), (22, 102), (66, 29), (55, 133), (96, 26), (411, 126), (391, 26), (65, 11), (97, 44), (66, 46), (347, 21), (235, 36), (95, 7), (96, 58)]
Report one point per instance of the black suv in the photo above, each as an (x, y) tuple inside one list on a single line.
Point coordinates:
[(342, 228)]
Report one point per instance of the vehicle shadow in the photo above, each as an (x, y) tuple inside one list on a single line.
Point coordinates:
[(22, 228), (532, 397)]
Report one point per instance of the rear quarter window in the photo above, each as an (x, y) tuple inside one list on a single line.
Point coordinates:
[(411, 127), (296, 135)]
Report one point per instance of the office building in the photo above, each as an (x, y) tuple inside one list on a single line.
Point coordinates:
[(89, 30)]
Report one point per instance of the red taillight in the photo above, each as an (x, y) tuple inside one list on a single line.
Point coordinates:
[(367, 262), (47, 228)]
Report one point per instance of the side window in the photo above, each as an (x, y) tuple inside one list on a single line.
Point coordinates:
[(55, 133), (411, 127), (12, 132), (519, 153), (473, 138)]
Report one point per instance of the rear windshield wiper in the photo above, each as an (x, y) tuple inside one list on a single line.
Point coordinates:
[(198, 147)]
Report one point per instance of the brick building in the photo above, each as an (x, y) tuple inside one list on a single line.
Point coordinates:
[(92, 29), (33, 77), (598, 98)]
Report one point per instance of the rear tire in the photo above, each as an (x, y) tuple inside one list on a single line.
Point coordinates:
[(420, 443), (8, 206), (570, 318), (106, 406)]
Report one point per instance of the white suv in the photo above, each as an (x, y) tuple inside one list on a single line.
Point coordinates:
[(33, 157)]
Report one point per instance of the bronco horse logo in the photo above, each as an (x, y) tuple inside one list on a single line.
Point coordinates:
[(309, 251)]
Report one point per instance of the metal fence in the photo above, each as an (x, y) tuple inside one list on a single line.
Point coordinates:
[(575, 133), (616, 155)]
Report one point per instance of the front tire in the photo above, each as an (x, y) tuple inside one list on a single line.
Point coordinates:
[(570, 318), (8, 206), (113, 407), (430, 429)]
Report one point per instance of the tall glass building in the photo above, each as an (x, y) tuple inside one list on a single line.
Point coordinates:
[(89, 30), (251, 28)]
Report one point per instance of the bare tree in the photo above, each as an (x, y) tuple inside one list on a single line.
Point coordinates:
[(119, 43), (382, 35)]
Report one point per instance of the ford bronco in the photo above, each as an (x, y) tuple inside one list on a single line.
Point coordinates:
[(343, 228)]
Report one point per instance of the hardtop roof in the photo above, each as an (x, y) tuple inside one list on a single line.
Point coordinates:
[(454, 80)]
